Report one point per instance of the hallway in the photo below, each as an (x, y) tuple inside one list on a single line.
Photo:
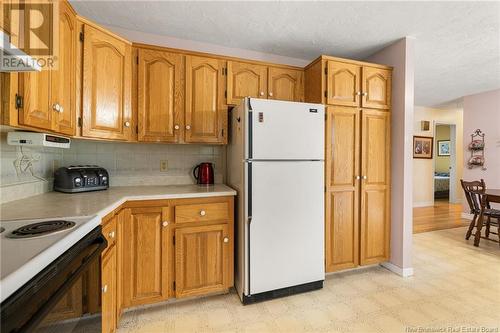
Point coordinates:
[(443, 215)]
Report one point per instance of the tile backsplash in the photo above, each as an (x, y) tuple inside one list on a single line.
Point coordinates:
[(127, 164)]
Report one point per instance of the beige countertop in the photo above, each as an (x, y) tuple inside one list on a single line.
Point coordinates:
[(100, 203)]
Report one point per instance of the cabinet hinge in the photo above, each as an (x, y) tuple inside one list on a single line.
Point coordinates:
[(326, 70), (81, 36), (137, 60), (19, 101), (80, 123)]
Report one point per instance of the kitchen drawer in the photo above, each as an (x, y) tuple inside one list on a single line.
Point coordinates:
[(109, 232), (203, 212)]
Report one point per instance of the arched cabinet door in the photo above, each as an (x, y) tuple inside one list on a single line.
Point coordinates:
[(286, 84), (106, 93), (343, 84), (245, 80), (206, 113), (63, 89), (376, 88), (160, 96)]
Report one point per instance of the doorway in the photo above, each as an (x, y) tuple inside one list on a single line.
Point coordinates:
[(444, 164)]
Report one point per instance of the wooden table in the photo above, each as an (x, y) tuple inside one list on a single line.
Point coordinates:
[(489, 195)]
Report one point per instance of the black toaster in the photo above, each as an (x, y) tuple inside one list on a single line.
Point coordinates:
[(81, 178)]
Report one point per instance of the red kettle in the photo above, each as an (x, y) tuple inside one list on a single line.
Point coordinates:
[(204, 173)]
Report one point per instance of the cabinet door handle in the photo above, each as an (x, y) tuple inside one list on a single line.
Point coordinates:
[(104, 288), (56, 107), (111, 234), (127, 124), (358, 93), (364, 94), (226, 239), (271, 93), (364, 177), (165, 223), (262, 93), (176, 127), (203, 213), (357, 177), (188, 127)]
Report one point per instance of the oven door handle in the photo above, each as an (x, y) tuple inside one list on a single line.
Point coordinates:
[(87, 257)]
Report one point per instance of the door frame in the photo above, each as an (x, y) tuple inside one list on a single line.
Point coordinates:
[(453, 160)]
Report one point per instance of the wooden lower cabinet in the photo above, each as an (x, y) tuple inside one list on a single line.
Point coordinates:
[(202, 258), (375, 187), (145, 255), (108, 291), (357, 202), (71, 306)]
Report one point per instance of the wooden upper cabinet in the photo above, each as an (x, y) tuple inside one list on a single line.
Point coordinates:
[(34, 87), (202, 260), (342, 198), (343, 84), (49, 95), (160, 96), (286, 84), (63, 89), (145, 255), (375, 186), (245, 80), (376, 88), (106, 91), (206, 113)]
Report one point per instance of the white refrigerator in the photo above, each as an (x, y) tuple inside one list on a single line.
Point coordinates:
[(276, 164)]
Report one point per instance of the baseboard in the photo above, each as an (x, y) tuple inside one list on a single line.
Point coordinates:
[(423, 204), (467, 216), (404, 272)]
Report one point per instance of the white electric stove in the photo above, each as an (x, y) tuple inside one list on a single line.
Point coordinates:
[(28, 246)]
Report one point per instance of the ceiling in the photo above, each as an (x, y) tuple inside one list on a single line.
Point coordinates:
[(457, 49)]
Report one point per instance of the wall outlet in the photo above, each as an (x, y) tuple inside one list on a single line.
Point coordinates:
[(163, 166)]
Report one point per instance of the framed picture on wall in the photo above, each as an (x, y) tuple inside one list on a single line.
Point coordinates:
[(422, 146), (443, 148)]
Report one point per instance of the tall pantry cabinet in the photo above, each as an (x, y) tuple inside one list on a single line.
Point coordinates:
[(357, 96)]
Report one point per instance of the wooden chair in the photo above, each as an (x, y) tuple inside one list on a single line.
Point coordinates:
[(473, 195)]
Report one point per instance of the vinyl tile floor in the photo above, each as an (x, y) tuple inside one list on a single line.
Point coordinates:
[(455, 288)]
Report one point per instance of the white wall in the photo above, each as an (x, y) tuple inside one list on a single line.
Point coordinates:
[(483, 111), (177, 43), (423, 169), (127, 164), (401, 55)]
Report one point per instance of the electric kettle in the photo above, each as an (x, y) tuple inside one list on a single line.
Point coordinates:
[(204, 173)]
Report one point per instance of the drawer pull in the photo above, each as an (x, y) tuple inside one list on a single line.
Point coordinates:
[(105, 289), (165, 224), (203, 213), (226, 239), (111, 234)]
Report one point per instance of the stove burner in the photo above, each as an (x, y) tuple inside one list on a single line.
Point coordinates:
[(41, 229)]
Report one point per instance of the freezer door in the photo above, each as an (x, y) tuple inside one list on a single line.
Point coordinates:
[(280, 130), (286, 246)]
